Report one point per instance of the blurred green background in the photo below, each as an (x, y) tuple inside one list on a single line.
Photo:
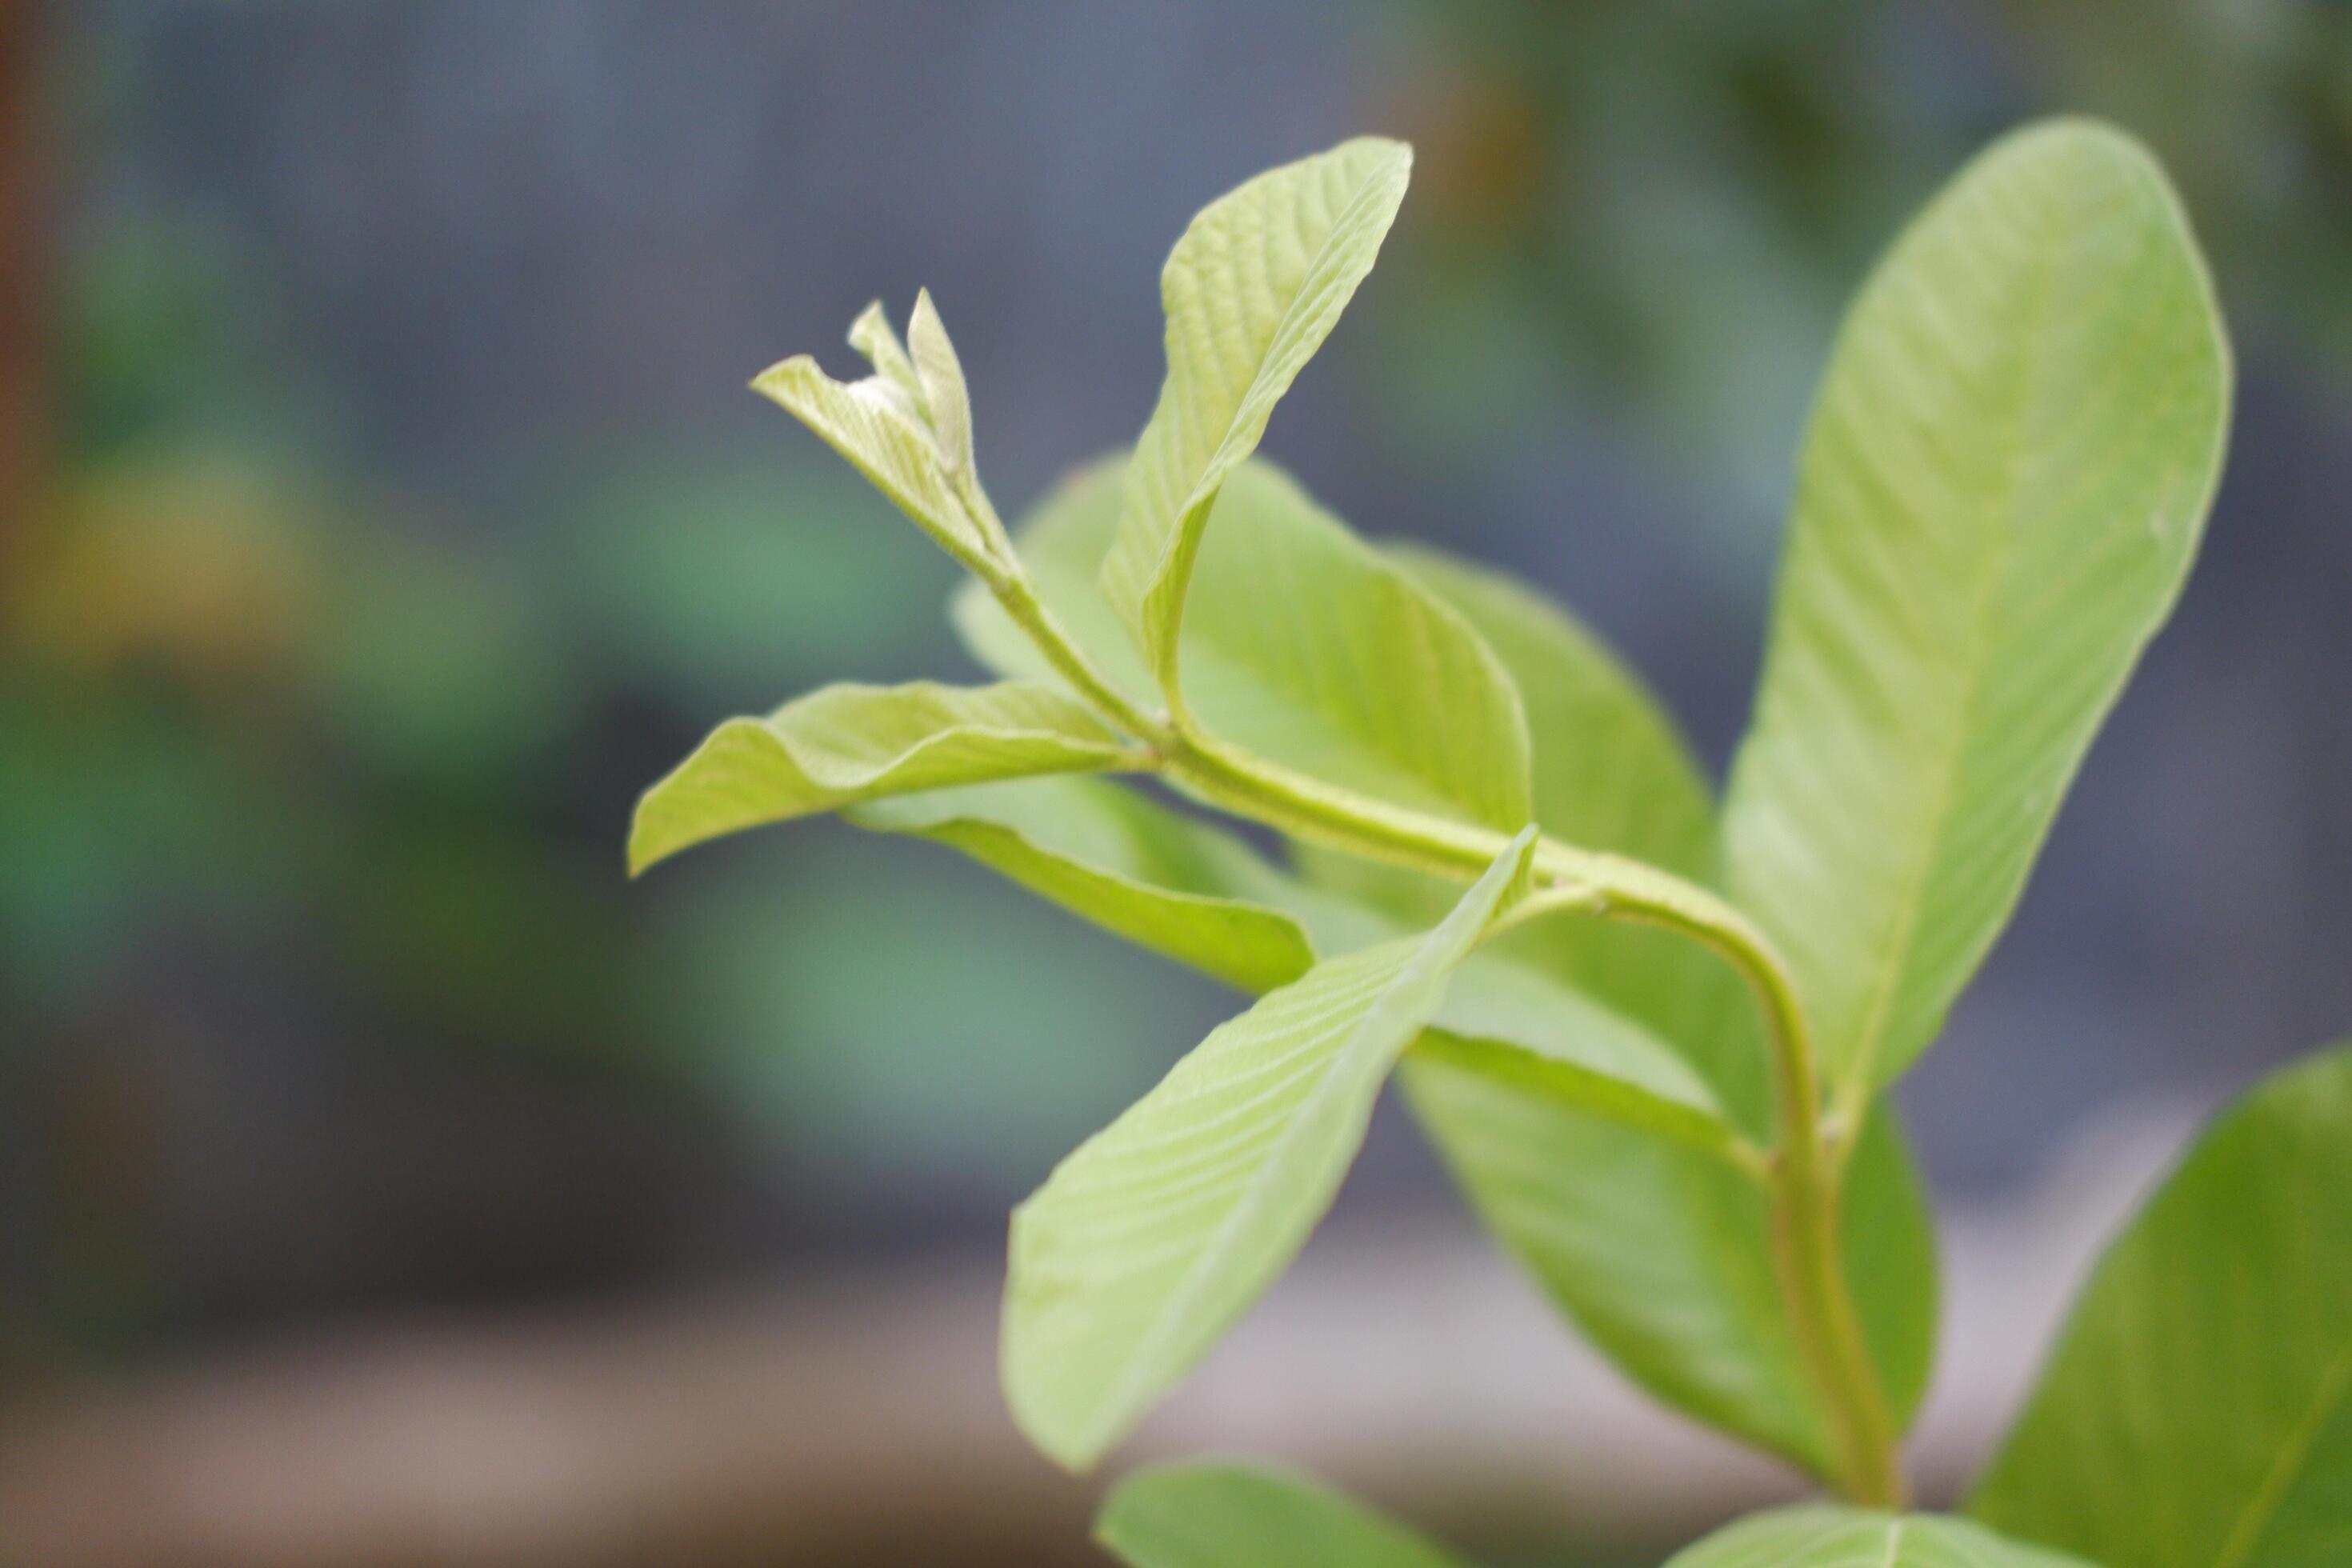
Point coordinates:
[(383, 510)]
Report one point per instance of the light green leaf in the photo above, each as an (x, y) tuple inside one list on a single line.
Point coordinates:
[(871, 336), (2198, 1411), (1146, 1244), (1219, 1515), (1303, 644), (1611, 771), (1251, 290), (1821, 1536), (1661, 1253), (941, 374), (887, 427), (2005, 480), (848, 743), (1197, 895), (1180, 888)]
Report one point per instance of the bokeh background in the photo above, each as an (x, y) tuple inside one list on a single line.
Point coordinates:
[(384, 1178)]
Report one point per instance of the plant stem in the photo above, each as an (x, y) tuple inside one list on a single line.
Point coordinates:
[(1805, 1173), (1019, 596)]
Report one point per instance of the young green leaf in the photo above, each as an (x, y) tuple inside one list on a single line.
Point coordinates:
[(871, 336), (2198, 1411), (1302, 645), (1183, 889), (1611, 771), (941, 375), (1662, 1254), (1195, 894), (1659, 1250), (1148, 1243), (1820, 1536), (1221, 1515), (1251, 290), (891, 428), (2005, 480), (847, 743)]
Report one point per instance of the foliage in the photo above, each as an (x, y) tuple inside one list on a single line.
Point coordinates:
[(1651, 1036)]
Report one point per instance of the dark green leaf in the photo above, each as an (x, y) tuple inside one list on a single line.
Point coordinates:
[(2198, 1411)]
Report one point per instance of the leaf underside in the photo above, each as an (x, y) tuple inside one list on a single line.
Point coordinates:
[(1250, 290), (1181, 888), (1150, 1240), (848, 743), (2002, 488), (1302, 644)]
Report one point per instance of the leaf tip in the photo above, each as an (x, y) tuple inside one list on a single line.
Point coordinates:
[(780, 380)]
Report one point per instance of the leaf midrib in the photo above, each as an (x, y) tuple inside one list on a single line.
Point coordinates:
[(1177, 1305), (1863, 1065), (2295, 1452), (1218, 463)]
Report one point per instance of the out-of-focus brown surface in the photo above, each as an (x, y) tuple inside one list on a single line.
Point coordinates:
[(854, 1418), (23, 425)]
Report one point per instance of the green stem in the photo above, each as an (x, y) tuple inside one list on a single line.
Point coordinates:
[(1019, 597), (1804, 1174)]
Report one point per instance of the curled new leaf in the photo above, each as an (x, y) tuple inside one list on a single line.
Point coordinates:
[(941, 374), (1251, 290), (848, 743), (906, 427), (1146, 1244)]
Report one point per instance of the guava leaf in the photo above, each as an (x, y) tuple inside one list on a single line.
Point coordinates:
[(1820, 1536), (2198, 1410), (1181, 888), (1221, 1515), (1251, 290), (1303, 644), (2003, 486), (1149, 1241), (847, 743), (1661, 1254), (1623, 1210), (1610, 772), (887, 427)]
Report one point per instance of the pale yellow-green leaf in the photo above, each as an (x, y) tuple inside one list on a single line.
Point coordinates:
[(1302, 645), (941, 375), (1216, 1514), (2198, 1410), (1251, 290), (1658, 1248), (848, 743), (2003, 486), (871, 336), (882, 428), (1150, 1240), (1183, 889), (1821, 1536), (1610, 772)]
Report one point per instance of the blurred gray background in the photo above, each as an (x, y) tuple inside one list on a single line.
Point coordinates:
[(390, 510)]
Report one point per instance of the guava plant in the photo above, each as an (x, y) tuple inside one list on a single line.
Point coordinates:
[(1652, 1034)]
